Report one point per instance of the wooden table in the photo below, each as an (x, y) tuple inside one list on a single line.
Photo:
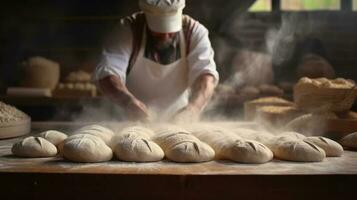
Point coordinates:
[(54, 178)]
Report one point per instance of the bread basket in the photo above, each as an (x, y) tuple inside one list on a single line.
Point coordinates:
[(312, 98)]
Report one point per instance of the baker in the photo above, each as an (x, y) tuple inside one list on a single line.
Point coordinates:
[(158, 60)]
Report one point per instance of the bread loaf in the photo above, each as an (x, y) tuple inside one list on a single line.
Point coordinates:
[(180, 145), (97, 130), (298, 150), (86, 148), (53, 136), (350, 141), (311, 124), (34, 147), (229, 146), (331, 148), (134, 144)]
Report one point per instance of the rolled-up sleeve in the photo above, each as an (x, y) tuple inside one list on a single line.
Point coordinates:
[(116, 53), (200, 59)]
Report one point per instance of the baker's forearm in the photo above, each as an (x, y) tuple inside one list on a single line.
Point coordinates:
[(113, 87), (202, 91)]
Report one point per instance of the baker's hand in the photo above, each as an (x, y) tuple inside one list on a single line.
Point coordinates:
[(137, 110), (189, 113)]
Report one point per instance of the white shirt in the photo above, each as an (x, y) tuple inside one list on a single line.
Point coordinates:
[(115, 59)]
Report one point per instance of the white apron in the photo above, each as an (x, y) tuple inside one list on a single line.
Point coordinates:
[(163, 88)]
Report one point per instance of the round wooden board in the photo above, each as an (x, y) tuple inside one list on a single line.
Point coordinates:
[(15, 129)]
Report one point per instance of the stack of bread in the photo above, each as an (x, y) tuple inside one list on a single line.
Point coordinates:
[(319, 104), (76, 84)]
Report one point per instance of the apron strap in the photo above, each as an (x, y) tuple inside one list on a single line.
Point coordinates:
[(137, 26)]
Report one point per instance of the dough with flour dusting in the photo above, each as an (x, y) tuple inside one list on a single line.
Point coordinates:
[(228, 145), (350, 141), (86, 148), (53, 136), (97, 130), (34, 147), (331, 148), (180, 145), (134, 144), (298, 150)]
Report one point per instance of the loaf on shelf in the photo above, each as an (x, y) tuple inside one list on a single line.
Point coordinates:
[(75, 90), (251, 107)]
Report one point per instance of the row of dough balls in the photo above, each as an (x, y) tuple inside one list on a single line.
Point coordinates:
[(196, 144), (293, 146)]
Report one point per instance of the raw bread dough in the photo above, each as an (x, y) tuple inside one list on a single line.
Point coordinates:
[(350, 141), (331, 148), (228, 145), (86, 148), (248, 151), (53, 136), (34, 147), (180, 145), (312, 124), (289, 135), (102, 132), (134, 144), (298, 150), (263, 137)]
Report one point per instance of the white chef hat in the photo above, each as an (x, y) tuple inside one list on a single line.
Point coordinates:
[(163, 16)]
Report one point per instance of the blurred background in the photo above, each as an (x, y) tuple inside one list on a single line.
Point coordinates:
[(264, 45)]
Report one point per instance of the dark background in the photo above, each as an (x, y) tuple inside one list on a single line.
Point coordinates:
[(71, 32)]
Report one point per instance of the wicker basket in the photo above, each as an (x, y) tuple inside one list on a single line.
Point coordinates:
[(312, 98)]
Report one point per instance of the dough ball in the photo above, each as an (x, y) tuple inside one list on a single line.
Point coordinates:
[(265, 138), (136, 130), (290, 135), (298, 150), (34, 147), (180, 146), (102, 132), (248, 151), (133, 144), (190, 151), (350, 141), (53, 136), (169, 140), (86, 148), (137, 149), (331, 148), (229, 144), (312, 124)]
